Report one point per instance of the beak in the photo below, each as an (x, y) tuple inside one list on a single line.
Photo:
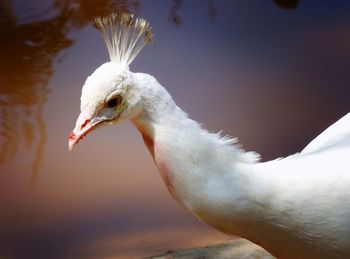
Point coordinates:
[(84, 125)]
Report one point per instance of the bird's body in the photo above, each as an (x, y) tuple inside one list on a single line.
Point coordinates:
[(301, 202), (295, 207)]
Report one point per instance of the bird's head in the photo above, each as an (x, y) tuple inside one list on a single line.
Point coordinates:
[(108, 95)]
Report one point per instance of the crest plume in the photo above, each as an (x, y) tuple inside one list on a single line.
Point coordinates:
[(124, 35)]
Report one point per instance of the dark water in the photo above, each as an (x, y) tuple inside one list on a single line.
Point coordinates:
[(272, 73)]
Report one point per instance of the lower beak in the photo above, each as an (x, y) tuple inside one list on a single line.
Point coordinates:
[(83, 126)]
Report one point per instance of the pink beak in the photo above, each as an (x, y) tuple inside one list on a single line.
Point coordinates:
[(82, 128)]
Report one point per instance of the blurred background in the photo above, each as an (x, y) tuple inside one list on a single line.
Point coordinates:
[(272, 73)]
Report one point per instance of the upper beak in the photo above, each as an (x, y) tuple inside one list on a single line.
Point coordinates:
[(83, 126)]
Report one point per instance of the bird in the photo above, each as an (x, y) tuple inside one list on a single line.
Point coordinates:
[(294, 207)]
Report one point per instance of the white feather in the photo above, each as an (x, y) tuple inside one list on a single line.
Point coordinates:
[(124, 35)]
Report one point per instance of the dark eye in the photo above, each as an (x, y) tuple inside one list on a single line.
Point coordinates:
[(114, 102)]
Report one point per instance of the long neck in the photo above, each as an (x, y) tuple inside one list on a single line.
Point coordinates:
[(203, 171), (211, 176)]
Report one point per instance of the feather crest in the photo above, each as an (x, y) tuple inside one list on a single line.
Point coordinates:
[(124, 35)]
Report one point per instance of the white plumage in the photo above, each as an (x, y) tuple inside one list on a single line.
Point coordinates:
[(295, 207)]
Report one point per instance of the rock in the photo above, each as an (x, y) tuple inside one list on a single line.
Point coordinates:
[(238, 248)]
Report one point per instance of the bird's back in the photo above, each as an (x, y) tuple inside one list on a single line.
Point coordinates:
[(307, 200)]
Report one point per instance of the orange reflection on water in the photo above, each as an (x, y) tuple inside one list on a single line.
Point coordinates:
[(27, 65)]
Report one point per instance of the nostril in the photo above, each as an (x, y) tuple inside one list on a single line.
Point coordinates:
[(84, 124), (72, 135)]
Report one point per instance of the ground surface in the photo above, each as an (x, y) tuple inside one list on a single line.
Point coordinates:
[(239, 248)]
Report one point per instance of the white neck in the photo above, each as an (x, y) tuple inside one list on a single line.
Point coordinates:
[(195, 165)]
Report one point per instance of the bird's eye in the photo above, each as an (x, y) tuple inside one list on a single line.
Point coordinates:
[(114, 102)]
